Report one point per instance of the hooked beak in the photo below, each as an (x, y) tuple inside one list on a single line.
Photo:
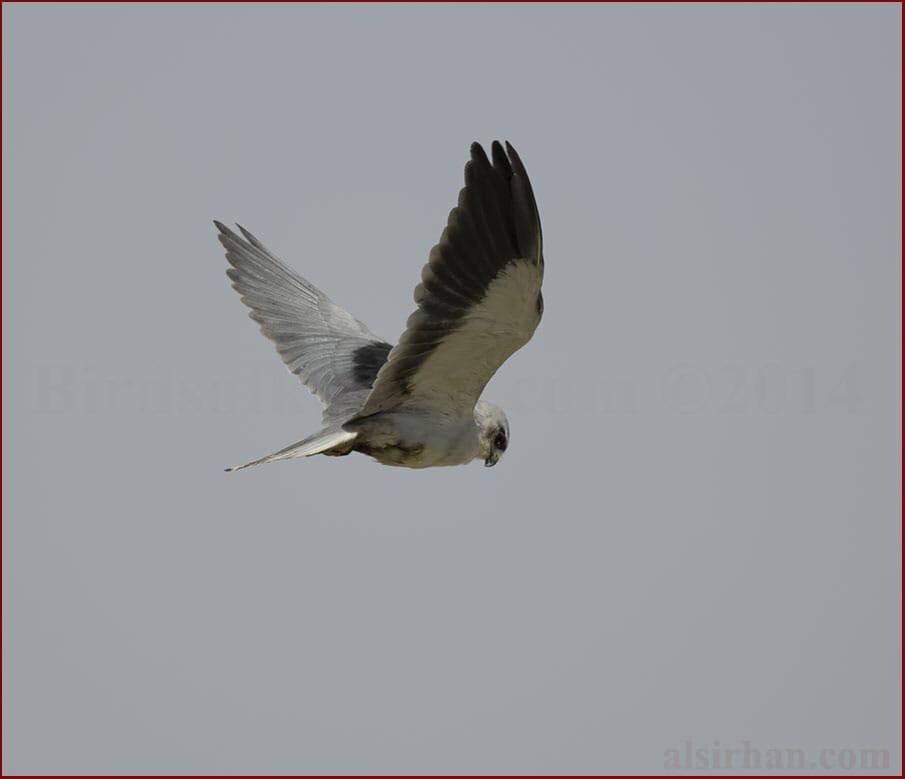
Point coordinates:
[(491, 461)]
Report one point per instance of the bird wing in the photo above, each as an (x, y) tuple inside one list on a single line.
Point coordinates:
[(479, 299), (333, 354)]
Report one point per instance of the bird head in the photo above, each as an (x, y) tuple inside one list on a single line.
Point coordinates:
[(493, 432)]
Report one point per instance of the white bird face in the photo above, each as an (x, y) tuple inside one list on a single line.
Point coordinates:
[(494, 432)]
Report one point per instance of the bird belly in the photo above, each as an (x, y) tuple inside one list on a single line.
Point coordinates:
[(412, 456), (408, 441)]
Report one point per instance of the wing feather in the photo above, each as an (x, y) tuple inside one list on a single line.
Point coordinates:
[(479, 297), (333, 354)]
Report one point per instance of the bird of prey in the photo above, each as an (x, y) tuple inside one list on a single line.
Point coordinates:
[(416, 404)]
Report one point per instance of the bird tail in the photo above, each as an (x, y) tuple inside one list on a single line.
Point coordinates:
[(315, 444)]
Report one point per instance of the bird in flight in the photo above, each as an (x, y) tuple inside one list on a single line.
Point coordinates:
[(416, 404)]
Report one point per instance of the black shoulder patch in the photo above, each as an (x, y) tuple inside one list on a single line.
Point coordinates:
[(540, 304), (368, 360)]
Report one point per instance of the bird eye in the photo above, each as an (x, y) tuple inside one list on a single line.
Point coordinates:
[(500, 441)]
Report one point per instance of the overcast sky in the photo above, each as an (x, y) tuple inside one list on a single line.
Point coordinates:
[(694, 538)]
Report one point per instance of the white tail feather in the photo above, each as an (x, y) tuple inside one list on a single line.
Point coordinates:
[(319, 442)]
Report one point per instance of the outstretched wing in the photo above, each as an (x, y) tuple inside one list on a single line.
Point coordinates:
[(326, 347), (480, 294)]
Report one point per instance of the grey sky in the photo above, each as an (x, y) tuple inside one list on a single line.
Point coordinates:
[(694, 536)]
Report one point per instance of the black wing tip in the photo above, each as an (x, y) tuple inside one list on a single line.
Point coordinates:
[(478, 158), (476, 145), (500, 160), (505, 160), (517, 164)]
